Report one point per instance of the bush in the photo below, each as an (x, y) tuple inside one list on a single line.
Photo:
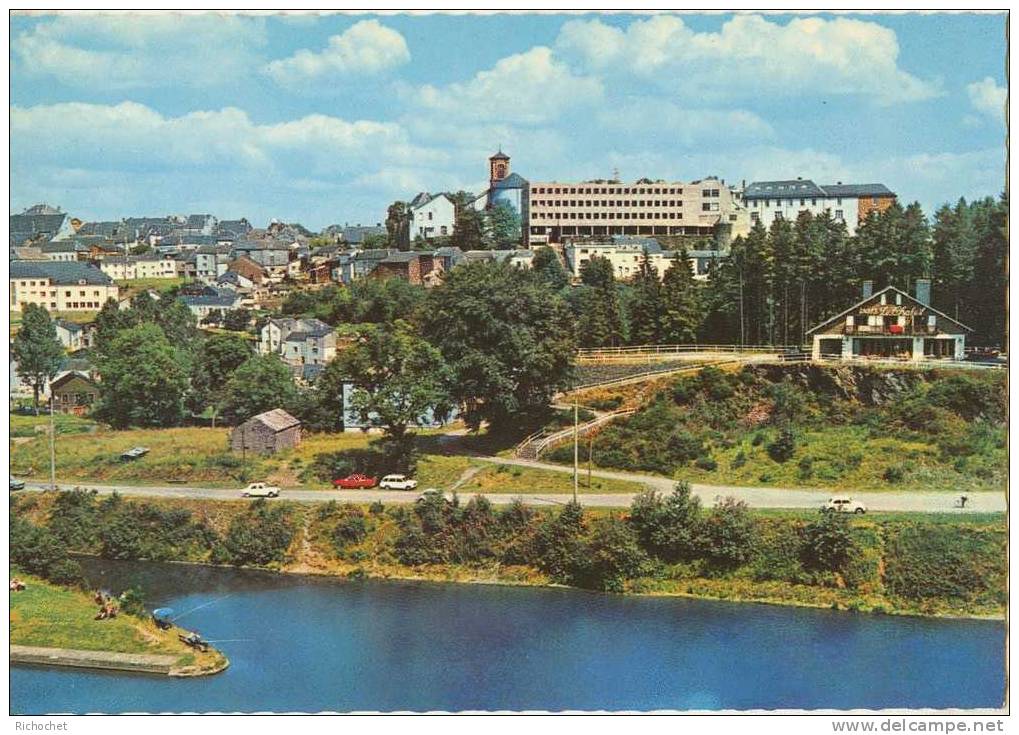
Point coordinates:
[(259, 537), (132, 601), (805, 468), (611, 556), (728, 534), (38, 551), (667, 528), (706, 463), (783, 448), (352, 528), (894, 473), (828, 543), (739, 460)]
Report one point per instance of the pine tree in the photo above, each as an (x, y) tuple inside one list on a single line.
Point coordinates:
[(681, 307), (646, 305)]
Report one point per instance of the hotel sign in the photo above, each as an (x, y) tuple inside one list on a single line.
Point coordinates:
[(891, 310)]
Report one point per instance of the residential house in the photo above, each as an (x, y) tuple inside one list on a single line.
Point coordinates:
[(358, 235), (59, 286), (891, 324), (74, 393), (64, 250), (272, 255), (211, 262), (70, 334), (267, 433), (133, 267), (211, 300), (298, 341), (40, 223), (357, 264), (414, 267), (431, 215), (448, 257), (249, 269)]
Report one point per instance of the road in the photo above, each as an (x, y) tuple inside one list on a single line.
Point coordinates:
[(756, 497)]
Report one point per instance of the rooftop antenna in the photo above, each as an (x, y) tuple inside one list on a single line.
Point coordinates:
[(615, 174)]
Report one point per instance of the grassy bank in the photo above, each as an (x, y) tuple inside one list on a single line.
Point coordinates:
[(58, 617), (897, 562), (88, 453), (853, 428)]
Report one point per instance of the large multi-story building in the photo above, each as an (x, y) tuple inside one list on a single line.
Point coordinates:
[(768, 201), (560, 210), (59, 286), (626, 254)]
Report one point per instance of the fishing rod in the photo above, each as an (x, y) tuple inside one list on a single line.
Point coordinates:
[(205, 604), (232, 640)]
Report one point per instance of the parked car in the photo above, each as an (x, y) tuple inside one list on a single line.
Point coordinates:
[(17, 484), (260, 490), (398, 482), (355, 481), (843, 504), (134, 453)]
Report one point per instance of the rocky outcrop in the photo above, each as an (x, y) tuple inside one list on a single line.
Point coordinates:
[(869, 385)]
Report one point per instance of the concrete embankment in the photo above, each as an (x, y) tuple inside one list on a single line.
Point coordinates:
[(138, 663)]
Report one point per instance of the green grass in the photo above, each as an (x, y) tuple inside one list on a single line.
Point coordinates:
[(47, 615), (133, 285), (31, 426), (512, 479)]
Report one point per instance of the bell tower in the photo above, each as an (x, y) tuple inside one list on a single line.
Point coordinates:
[(498, 167)]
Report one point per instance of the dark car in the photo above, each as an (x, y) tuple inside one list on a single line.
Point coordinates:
[(17, 484)]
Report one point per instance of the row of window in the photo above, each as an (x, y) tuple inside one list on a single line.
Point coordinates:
[(612, 190), (608, 203), (607, 215), (756, 216), (53, 294), (789, 202)]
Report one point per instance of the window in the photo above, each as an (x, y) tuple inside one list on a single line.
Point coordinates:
[(429, 215), (838, 215), (813, 202), (755, 216), (803, 202), (778, 215)]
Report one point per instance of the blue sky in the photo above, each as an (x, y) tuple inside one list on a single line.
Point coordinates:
[(325, 119)]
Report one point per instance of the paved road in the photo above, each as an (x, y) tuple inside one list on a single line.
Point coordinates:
[(757, 497)]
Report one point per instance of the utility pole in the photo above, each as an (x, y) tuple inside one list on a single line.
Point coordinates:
[(53, 448), (576, 471), (590, 451)]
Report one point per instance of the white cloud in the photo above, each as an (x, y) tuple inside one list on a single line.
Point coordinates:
[(366, 48), (751, 55), (124, 51), (531, 87), (988, 98)]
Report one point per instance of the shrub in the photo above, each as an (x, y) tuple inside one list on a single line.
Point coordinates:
[(132, 601), (611, 555), (667, 528), (728, 534), (783, 448), (828, 543), (969, 396), (352, 528), (377, 508), (739, 460), (805, 468), (706, 463), (894, 473), (260, 536)]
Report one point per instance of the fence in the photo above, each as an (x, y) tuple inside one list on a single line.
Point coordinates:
[(535, 444), (595, 354)]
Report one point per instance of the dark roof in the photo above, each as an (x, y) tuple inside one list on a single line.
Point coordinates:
[(68, 376), (500, 156), (513, 181), (63, 246), (28, 224), (69, 326), (792, 188), (70, 273), (210, 300), (404, 257), (358, 234), (104, 229)]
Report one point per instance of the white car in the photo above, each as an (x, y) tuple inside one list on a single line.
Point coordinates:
[(398, 482), (843, 504), (260, 490)]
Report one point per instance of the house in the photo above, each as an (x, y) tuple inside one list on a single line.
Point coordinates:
[(431, 215), (41, 223), (211, 299), (413, 267), (357, 264), (71, 335), (211, 262), (74, 392), (266, 433), (298, 341), (891, 324), (59, 286), (64, 250), (272, 255), (357, 235), (132, 267), (248, 269), (768, 201)]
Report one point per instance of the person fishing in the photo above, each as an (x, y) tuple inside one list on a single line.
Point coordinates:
[(962, 500)]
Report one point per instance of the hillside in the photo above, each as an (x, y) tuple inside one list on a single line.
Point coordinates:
[(855, 427)]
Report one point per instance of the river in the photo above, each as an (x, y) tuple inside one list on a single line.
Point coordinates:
[(301, 644)]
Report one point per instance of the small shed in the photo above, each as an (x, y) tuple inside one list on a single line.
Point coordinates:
[(266, 433)]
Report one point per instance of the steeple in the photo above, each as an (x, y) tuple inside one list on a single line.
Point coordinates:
[(498, 166)]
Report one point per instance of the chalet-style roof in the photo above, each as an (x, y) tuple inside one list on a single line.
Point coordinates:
[(68, 377), (876, 296), (277, 419)]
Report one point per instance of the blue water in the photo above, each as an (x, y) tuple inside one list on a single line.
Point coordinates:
[(312, 645)]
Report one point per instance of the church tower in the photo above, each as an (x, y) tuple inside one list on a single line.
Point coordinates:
[(498, 167)]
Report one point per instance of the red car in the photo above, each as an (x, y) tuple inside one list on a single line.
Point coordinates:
[(355, 482)]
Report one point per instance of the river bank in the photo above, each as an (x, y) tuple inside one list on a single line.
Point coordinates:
[(943, 566), (55, 626)]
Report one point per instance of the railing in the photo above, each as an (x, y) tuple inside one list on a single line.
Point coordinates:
[(894, 330), (534, 445), (923, 364), (651, 373), (608, 354)]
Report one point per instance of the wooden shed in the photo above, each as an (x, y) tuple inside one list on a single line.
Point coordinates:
[(74, 392), (266, 433)]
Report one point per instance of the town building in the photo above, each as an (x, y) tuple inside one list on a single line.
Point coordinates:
[(70, 334), (133, 267), (431, 215), (74, 393), (210, 300), (626, 254), (266, 433), (41, 223), (59, 286), (211, 261), (891, 324), (768, 201), (415, 267), (298, 341)]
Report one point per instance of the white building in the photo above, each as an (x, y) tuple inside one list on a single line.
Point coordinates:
[(131, 267), (768, 201), (59, 286), (431, 216), (298, 341)]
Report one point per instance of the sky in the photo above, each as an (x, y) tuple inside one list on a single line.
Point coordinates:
[(324, 119)]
